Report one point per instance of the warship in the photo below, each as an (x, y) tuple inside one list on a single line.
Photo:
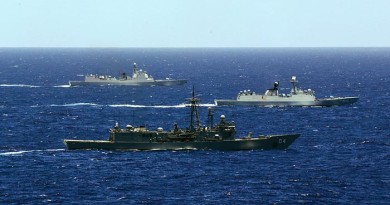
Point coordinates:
[(138, 78), (221, 136), (297, 97)]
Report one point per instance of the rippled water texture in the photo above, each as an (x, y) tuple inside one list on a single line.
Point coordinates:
[(342, 156)]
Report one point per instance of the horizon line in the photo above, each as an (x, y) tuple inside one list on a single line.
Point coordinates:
[(193, 47)]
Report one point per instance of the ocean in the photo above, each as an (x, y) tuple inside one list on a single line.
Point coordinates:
[(341, 157)]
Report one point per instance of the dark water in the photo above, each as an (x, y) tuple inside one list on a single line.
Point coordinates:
[(342, 156)]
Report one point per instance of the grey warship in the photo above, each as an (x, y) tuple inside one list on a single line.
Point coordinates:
[(221, 136), (296, 98), (138, 78)]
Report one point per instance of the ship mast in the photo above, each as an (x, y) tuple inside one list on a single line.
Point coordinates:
[(135, 70), (210, 115), (194, 112), (294, 83)]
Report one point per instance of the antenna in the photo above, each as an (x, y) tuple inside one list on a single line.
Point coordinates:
[(210, 118), (135, 70), (194, 111), (294, 83)]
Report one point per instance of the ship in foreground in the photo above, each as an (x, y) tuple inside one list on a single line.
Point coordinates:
[(296, 98), (138, 78), (221, 136)]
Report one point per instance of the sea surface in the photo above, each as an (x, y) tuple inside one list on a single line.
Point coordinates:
[(342, 156)]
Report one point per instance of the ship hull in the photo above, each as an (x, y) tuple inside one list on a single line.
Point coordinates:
[(129, 83), (326, 102), (261, 143)]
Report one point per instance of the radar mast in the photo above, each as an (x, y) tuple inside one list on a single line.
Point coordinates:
[(294, 83), (194, 111)]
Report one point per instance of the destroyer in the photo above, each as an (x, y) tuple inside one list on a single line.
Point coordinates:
[(139, 78), (296, 97), (216, 137)]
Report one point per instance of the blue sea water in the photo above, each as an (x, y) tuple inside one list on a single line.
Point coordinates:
[(342, 156)]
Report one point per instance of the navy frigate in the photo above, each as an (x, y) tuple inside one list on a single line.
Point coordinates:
[(297, 97), (221, 136), (138, 78)]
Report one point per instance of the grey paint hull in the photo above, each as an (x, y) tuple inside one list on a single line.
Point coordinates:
[(326, 102), (262, 143), (130, 83)]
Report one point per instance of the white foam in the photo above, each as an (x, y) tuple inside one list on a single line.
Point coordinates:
[(207, 105), (148, 106), (74, 104), (159, 106), (128, 105), (62, 86), (28, 151), (53, 150), (19, 85), (13, 153)]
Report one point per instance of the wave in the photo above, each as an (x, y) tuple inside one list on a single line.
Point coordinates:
[(159, 106), (130, 105), (148, 106), (28, 151), (62, 86), (13, 153), (75, 104), (19, 85), (32, 86), (208, 105)]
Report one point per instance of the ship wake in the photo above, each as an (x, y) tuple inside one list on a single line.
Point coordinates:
[(74, 105), (21, 152), (159, 106), (130, 105), (62, 86), (19, 85)]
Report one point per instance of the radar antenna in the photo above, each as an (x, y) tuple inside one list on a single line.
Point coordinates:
[(135, 70), (275, 89), (294, 83)]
